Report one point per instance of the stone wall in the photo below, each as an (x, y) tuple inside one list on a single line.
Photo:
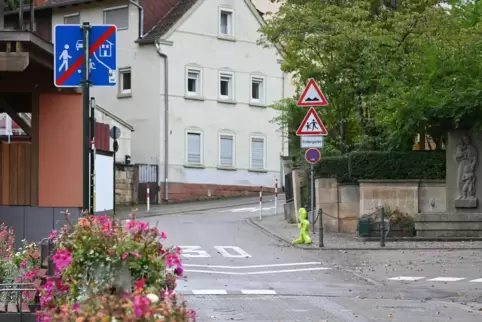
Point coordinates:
[(125, 185), (343, 204)]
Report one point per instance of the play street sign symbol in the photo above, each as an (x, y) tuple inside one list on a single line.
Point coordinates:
[(312, 125), (312, 156), (312, 96), (69, 55)]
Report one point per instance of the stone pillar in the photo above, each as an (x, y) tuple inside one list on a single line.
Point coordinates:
[(464, 178), (327, 198)]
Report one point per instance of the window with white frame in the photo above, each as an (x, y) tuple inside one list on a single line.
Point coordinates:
[(72, 19), (257, 153), (226, 23), (125, 84), (118, 16), (193, 147), (226, 150), (226, 86), (257, 89), (193, 85)]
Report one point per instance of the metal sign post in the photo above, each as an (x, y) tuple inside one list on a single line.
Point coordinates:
[(87, 204), (312, 197), (115, 133)]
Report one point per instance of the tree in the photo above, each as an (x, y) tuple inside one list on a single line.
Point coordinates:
[(389, 69)]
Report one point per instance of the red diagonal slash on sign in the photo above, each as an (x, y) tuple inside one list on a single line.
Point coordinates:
[(76, 65)]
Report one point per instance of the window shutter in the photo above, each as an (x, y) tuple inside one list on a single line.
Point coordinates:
[(194, 148), (118, 17), (257, 153), (226, 150)]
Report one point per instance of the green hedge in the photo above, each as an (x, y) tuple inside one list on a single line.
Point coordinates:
[(382, 165)]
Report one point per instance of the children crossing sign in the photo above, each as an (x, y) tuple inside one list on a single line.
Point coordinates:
[(312, 125)]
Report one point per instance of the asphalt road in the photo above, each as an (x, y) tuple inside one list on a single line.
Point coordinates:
[(235, 272)]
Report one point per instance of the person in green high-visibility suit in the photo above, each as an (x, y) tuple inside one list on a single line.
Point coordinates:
[(304, 226)]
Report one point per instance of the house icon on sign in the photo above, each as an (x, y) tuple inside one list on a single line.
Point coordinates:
[(105, 50)]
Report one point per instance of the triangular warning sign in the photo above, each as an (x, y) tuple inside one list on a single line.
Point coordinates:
[(312, 96), (311, 125)]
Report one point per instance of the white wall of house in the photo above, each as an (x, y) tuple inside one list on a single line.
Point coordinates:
[(239, 122), (141, 107), (197, 48)]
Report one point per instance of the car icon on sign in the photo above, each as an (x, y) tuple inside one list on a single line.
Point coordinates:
[(79, 44)]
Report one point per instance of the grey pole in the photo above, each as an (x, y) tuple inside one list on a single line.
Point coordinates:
[(85, 124), (382, 227), (320, 228), (312, 201)]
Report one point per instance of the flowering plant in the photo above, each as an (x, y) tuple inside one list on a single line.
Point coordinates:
[(100, 260), (137, 306)]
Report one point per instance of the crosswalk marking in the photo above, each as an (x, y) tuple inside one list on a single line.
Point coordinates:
[(435, 279), (446, 279), (258, 292), (198, 252), (209, 292), (406, 278), (248, 209)]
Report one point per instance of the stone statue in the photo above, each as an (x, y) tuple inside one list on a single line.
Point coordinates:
[(466, 159)]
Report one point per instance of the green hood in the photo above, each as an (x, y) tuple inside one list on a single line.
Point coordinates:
[(302, 214)]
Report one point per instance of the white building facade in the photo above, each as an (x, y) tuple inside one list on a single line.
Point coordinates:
[(215, 137)]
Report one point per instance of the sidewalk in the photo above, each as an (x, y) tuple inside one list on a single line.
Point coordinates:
[(193, 206), (280, 229)]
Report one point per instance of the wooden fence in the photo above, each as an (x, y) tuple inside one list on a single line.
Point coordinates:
[(15, 173)]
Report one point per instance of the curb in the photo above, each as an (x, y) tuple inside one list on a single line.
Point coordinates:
[(148, 215), (253, 222)]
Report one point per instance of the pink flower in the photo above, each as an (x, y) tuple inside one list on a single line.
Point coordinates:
[(140, 283), (53, 235), (163, 235), (62, 259), (141, 305), (135, 227)]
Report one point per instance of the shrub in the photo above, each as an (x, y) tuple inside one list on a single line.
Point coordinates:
[(383, 165)]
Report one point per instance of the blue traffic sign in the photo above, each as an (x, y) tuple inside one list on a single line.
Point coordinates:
[(312, 155), (69, 55)]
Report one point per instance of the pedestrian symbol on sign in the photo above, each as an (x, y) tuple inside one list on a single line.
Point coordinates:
[(64, 57)]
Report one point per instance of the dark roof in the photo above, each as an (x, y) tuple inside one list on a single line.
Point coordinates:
[(170, 15)]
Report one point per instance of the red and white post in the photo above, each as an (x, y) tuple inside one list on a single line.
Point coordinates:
[(148, 197), (276, 196), (261, 204)]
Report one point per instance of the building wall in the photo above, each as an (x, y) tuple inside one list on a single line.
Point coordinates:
[(207, 115), (142, 108), (60, 150), (195, 43)]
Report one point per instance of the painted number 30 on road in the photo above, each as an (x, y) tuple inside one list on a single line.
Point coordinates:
[(226, 251)]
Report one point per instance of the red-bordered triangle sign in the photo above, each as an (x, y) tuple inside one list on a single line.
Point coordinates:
[(312, 125), (312, 96)]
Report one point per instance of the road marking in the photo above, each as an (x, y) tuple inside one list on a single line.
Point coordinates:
[(258, 273), (240, 253), (258, 292), (479, 280), (253, 266), (250, 209), (209, 292), (406, 278), (193, 252), (446, 279)]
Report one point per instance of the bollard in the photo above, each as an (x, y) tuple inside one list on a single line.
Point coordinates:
[(148, 199), (382, 227), (261, 204), (320, 228), (276, 197)]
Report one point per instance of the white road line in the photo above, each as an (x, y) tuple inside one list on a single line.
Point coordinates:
[(406, 278), (223, 250), (209, 292), (258, 273), (446, 279), (479, 280), (252, 266), (258, 292)]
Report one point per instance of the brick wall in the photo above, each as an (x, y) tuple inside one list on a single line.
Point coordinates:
[(179, 192), (125, 191)]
